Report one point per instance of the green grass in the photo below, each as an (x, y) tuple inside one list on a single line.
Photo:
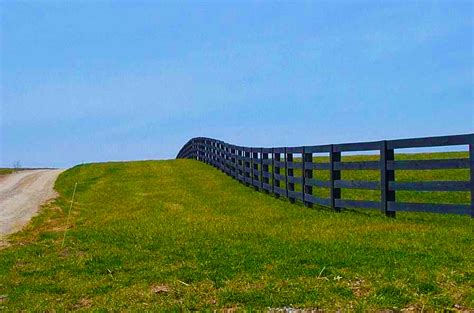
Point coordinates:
[(6, 171), (401, 175), (210, 242)]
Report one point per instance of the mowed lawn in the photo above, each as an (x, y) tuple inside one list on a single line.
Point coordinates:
[(182, 235)]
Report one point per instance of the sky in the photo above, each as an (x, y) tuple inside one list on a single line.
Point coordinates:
[(93, 81)]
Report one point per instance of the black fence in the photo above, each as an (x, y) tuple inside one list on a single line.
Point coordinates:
[(272, 170)]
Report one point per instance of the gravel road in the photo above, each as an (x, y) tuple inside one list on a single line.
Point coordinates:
[(21, 195)]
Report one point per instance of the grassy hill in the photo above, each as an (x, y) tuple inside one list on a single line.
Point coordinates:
[(180, 234)]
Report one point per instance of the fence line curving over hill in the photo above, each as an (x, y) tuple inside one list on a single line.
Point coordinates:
[(289, 171)]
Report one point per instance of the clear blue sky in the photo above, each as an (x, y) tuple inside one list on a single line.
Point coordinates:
[(97, 81)]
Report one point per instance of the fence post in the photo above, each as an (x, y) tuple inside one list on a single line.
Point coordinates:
[(217, 155), (255, 169), (290, 186), (246, 166), (236, 158), (251, 166), (276, 170), (233, 161), (307, 173), (202, 149), (239, 164), (242, 166), (264, 168), (223, 156), (261, 168), (334, 175), (209, 152), (386, 176), (196, 148), (215, 152), (471, 169), (228, 156), (220, 156)]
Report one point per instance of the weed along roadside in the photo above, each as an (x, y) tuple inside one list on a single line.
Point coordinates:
[(179, 234)]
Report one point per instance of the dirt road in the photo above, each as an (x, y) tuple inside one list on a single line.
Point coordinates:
[(21, 195)]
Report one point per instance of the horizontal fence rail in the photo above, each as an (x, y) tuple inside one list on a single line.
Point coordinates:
[(279, 170)]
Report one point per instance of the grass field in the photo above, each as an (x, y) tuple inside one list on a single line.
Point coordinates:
[(401, 175), (6, 171), (181, 234)]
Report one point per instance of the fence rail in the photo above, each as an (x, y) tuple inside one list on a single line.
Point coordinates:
[(272, 170)]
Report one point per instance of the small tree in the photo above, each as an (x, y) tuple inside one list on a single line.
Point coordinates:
[(16, 165)]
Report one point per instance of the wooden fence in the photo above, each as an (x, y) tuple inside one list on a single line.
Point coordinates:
[(272, 170)]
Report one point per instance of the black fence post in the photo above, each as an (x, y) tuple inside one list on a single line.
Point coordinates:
[(196, 148), (228, 161), (223, 157), (261, 168), (290, 186), (237, 155), (242, 166), (218, 154), (233, 161), (307, 173), (196, 143), (334, 175), (255, 169), (265, 167), (224, 154), (251, 166), (247, 167), (386, 176), (285, 171), (239, 165), (202, 148), (213, 152), (209, 150), (471, 169), (276, 170)]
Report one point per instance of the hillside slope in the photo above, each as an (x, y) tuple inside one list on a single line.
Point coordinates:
[(180, 234)]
